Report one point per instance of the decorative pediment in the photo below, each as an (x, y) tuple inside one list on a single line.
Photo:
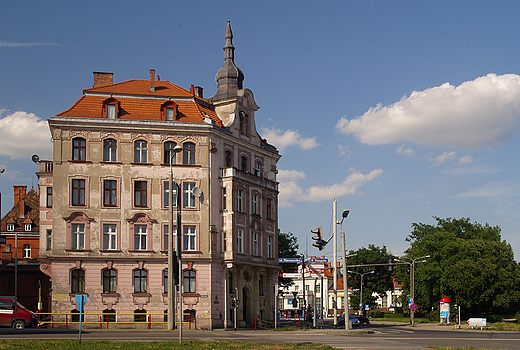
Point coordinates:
[(141, 218), (256, 224), (78, 217)]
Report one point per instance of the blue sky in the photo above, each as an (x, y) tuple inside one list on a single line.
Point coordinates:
[(402, 110)]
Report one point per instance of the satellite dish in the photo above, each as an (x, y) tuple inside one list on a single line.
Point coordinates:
[(35, 158), (270, 175), (196, 192)]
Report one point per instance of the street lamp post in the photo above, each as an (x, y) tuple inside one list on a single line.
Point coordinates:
[(345, 284), (361, 285), (171, 273), (412, 282)]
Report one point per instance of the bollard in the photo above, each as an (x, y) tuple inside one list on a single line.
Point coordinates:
[(100, 322), (189, 319), (149, 321), (66, 321), (255, 323), (52, 321)]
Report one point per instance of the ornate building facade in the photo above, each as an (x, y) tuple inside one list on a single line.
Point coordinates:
[(111, 163)]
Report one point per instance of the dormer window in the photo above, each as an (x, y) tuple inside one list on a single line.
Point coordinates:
[(110, 108), (10, 227), (169, 111), (27, 227)]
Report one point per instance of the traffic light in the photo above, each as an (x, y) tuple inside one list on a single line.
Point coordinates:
[(320, 243), (390, 265), (175, 272), (295, 302), (233, 303)]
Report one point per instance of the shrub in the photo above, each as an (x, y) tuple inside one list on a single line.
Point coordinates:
[(376, 314)]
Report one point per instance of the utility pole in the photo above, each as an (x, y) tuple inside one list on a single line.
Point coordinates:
[(335, 259)]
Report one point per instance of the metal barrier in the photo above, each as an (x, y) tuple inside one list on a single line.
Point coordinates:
[(90, 318)]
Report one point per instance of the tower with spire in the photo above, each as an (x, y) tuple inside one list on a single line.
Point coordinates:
[(229, 77)]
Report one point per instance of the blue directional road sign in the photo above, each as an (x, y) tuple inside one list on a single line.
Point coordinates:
[(311, 260)]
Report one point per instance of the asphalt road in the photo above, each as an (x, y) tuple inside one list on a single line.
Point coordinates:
[(374, 336)]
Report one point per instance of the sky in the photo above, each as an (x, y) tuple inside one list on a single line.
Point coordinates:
[(401, 110)]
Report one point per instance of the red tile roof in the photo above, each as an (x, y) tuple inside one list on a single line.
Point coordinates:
[(146, 106)]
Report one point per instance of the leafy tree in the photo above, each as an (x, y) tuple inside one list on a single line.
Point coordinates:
[(287, 248), (379, 282), (468, 263)]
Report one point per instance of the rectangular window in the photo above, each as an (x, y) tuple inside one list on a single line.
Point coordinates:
[(240, 241), (189, 200), (166, 194), (224, 198), (48, 245), (190, 281), (169, 114), (109, 193), (109, 236), (78, 192), (111, 111), (269, 208), (189, 238), (49, 197), (269, 247), (224, 241), (140, 237), (140, 152), (140, 193), (239, 200), (255, 243), (166, 235), (254, 204), (78, 236)]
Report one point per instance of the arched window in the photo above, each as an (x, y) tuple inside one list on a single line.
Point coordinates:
[(140, 151), (79, 149), (109, 281), (228, 158), (169, 153), (190, 281), (77, 281), (140, 281), (188, 153), (243, 163), (109, 150), (26, 251)]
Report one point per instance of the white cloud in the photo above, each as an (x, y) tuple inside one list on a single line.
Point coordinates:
[(23, 134), (344, 151), (476, 114), (282, 139), (466, 160), (493, 190), (443, 158), (291, 191), (18, 44), (405, 151)]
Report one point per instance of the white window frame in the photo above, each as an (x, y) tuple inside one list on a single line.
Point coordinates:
[(240, 241), (269, 247), (10, 227), (239, 200), (189, 200), (77, 236), (189, 238), (255, 244), (140, 237), (27, 227), (110, 232), (26, 251), (140, 151)]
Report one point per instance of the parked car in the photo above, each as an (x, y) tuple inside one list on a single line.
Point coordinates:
[(24, 317), (354, 320)]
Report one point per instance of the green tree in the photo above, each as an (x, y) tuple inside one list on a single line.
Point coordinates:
[(287, 248), (468, 263), (379, 282)]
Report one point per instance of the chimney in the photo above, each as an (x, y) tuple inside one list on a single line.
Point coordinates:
[(103, 79), (152, 80), (198, 91), (19, 194)]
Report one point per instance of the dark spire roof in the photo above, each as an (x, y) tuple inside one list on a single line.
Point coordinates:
[(229, 78)]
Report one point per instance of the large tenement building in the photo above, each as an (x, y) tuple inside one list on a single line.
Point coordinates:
[(109, 191)]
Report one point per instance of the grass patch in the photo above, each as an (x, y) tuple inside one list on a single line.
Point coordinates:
[(68, 344), (457, 348)]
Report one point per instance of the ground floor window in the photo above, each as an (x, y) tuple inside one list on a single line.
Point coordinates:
[(109, 315), (139, 315)]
